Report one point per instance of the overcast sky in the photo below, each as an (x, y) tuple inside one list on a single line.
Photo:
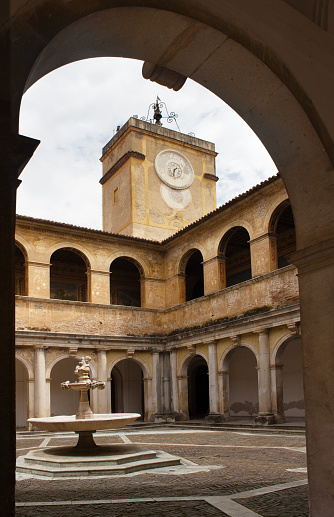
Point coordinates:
[(75, 110)]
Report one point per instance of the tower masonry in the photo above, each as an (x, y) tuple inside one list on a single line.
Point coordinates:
[(155, 180)]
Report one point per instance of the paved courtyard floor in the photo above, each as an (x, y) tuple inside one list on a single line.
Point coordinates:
[(224, 472)]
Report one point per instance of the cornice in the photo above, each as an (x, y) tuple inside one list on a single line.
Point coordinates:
[(120, 163)]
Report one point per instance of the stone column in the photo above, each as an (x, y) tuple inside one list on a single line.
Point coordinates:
[(224, 378), (156, 389), (38, 279), (174, 383), (263, 254), (277, 392), (102, 376), (31, 402), (183, 396), (316, 280), (148, 411), (166, 391), (40, 383), (98, 286), (264, 380), (108, 395), (213, 381)]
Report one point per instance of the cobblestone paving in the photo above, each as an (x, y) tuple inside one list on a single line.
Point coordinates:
[(292, 502), (155, 509), (247, 462)]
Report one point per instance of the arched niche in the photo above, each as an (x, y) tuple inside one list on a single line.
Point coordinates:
[(20, 269), (125, 282), (288, 371), (191, 267), (234, 253), (127, 387), (63, 402), (68, 275), (242, 391), (198, 387), (283, 227)]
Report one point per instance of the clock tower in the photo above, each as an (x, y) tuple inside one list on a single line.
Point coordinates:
[(156, 181)]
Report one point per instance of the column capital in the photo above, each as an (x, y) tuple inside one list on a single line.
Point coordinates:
[(294, 328), (191, 349), (236, 340), (40, 347), (211, 342), (261, 330)]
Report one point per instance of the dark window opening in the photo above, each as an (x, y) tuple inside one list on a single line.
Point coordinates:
[(68, 276), (125, 283), (194, 276)]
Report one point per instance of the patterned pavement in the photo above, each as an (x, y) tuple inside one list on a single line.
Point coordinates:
[(227, 473)]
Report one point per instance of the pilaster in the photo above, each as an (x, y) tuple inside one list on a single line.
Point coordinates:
[(214, 275), (263, 254), (38, 279), (98, 283)]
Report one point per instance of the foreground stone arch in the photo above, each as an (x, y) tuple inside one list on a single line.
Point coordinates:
[(285, 79)]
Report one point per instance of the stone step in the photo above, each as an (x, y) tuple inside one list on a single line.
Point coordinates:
[(102, 465)]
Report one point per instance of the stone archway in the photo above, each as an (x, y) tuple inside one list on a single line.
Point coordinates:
[(285, 82), (198, 387), (127, 387), (63, 402)]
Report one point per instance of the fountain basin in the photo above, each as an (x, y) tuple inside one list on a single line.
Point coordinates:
[(71, 423)]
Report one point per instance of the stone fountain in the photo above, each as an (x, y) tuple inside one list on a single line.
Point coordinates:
[(85, 422), (86, 457)]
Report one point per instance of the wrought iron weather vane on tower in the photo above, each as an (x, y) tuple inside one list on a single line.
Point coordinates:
[(155, 114)]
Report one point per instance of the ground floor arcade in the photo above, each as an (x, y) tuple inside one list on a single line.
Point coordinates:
[(251, 369)]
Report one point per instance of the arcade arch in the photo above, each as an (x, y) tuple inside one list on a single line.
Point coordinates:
[(63, 402), (281, 124), (283, 227), (20, 270), (68, 275), (127, 387), (288, 379), (198, 387), (240, 383), (191, 266), (125, 282), (234, 253)]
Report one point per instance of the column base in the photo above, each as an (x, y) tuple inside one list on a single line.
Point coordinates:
[(165, 417), (215, 417), (266, 419)]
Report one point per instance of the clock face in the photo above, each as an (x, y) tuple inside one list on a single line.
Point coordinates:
[(174, 169)]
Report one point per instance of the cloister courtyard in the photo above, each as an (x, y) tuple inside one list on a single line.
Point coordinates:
[(226, 470)]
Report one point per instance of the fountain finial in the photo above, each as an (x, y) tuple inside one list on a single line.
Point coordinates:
[(83, 384)]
